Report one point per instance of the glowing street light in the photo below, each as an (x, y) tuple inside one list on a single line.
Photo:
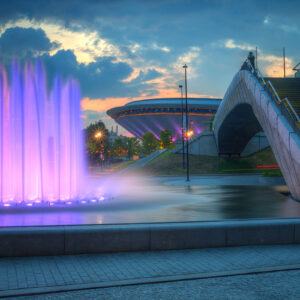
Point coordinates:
[(98, 134), (190, 133)]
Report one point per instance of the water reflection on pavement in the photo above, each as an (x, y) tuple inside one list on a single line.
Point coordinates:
[(169, 200)]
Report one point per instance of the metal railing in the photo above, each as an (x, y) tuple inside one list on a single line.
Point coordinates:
[(291, 109), (274, 92), (284, 105)]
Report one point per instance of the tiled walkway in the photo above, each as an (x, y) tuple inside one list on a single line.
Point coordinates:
[(30, 275)]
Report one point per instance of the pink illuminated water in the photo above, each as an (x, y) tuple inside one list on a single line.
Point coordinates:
[(41, 143)]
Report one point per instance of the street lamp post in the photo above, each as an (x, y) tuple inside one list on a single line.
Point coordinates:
[(187, 127), (182, 133), (98, 136)]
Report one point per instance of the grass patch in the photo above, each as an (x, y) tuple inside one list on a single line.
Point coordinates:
[(123, 165), (272, 173), (171, 164)]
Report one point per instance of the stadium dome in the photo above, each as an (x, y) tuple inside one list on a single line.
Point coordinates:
[(155, 115)]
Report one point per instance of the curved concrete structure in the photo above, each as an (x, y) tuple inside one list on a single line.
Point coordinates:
[(155, 115), (246, 109)]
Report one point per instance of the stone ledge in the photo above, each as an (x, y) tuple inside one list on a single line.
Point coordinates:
[(59, 240)]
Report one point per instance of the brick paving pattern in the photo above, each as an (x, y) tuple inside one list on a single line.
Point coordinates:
[(275, 286), (57, 271)]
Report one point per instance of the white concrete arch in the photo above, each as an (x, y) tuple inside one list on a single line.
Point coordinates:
[(246, 91)]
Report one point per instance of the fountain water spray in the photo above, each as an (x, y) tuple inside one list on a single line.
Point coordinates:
[(41, 142)]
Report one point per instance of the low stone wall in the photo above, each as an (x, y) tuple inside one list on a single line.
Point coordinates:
[(257, 143), (205, 144), (59, 240), (202, 144)]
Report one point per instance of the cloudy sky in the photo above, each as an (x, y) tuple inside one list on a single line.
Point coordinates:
[(120, 51)]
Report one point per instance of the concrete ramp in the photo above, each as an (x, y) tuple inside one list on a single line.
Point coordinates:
[(250, 106), (142, 162)]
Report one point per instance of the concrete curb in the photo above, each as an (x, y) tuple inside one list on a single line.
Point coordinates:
[(59, 240), (272, 180)]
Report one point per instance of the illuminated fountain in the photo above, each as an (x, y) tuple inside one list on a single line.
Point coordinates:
[(41, 142)]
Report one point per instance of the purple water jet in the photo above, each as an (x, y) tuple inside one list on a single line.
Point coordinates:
[(41, 142)]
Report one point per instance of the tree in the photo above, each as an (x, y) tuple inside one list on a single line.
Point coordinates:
[(149, 142), (165, 138), (96, 138), (118, 147), (132, 146), (211, 121)]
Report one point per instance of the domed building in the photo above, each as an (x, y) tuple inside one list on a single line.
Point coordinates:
[(155, 115)]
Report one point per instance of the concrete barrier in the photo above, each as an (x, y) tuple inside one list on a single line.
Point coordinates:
[(59, 240), (31, 241), (205, 144), (106, 238), (261, 233), (187, 235)]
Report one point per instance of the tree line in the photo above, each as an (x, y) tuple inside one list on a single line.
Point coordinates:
[(100, 148)]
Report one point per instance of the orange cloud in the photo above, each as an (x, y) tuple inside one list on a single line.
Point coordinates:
[(102, 105), (175, 93), (274, 66), (133, 75)]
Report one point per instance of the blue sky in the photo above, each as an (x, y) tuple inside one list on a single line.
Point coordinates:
[(120, 51)]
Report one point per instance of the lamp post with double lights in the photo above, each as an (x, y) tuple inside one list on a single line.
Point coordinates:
[(187, 127), (182, 131)]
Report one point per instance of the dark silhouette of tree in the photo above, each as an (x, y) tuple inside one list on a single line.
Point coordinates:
[(149, 142), (165, 138), (132, 145), (118, 147)]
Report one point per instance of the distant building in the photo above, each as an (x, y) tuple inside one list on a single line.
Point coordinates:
[(113, 135), (155, 115)]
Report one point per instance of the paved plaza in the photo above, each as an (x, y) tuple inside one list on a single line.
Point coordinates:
[(275, 286), (250, 272)]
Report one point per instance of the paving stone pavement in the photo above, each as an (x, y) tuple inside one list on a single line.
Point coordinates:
[(55, 273), (275, 286)]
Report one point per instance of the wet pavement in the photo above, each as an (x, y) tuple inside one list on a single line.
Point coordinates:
[(170, 199)]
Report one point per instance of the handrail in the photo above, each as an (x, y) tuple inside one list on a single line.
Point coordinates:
[(261, 77), (284, 105), (256, 72), (274, 92), (286, 100)]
